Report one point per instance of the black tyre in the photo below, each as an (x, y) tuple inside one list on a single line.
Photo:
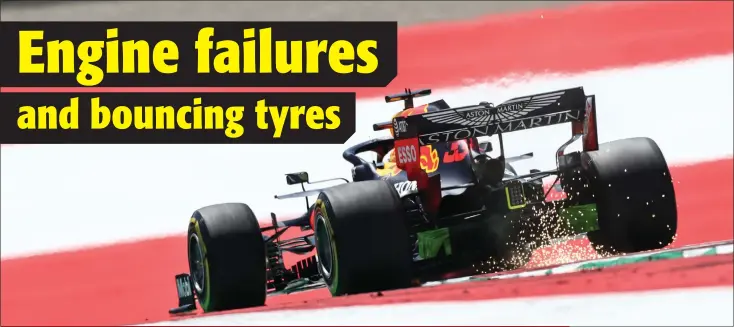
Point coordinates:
[(362, 239), (227, 257), (502, 244), (635, 200)]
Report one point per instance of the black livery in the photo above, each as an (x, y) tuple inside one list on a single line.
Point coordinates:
[(435, 202)]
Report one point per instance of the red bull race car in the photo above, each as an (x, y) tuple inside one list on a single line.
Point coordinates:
[(435, 203)]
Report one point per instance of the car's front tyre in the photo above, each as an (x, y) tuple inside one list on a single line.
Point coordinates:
[(226, 257)]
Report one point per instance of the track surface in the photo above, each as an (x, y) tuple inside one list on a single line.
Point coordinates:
[(684, 273), (539, 41), (118, 273), (669, 307), (65, 285), (405, 12)]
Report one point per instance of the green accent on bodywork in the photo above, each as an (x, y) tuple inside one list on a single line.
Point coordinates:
[(430, 242), (580, 219), (509, 199)]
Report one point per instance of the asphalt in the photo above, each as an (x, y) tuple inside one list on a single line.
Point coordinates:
[(405, 12)]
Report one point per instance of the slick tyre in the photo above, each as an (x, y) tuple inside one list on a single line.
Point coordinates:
[(635, 200), (502, 242), (509, 250), (362, 240), (226, 257)]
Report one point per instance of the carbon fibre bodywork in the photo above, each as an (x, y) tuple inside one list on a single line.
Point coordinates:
[(465, 198), (434, 203)]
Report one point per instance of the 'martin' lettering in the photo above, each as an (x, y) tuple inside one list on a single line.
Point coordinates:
[(501, 127)]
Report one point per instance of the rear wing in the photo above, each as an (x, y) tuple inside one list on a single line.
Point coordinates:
[(522, 113), (484, 119), (407, 96)]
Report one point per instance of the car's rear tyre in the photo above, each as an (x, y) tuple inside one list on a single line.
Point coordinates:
[(631, 184), (362, 240), (227, 257), (502, 244)]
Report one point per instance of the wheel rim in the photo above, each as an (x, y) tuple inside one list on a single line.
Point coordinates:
[(323, 247), (196, 264)]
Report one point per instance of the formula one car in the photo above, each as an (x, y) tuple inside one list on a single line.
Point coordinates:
[(435, 202)]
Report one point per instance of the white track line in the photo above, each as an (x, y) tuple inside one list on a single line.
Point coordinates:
[(677, 307)]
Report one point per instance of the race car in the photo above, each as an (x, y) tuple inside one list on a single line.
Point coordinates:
[(436, 203)]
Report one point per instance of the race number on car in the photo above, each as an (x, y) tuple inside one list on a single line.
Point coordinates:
[(407, 154)]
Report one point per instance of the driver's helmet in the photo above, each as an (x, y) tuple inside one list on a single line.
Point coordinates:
[(389, 157), (409, 112)]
